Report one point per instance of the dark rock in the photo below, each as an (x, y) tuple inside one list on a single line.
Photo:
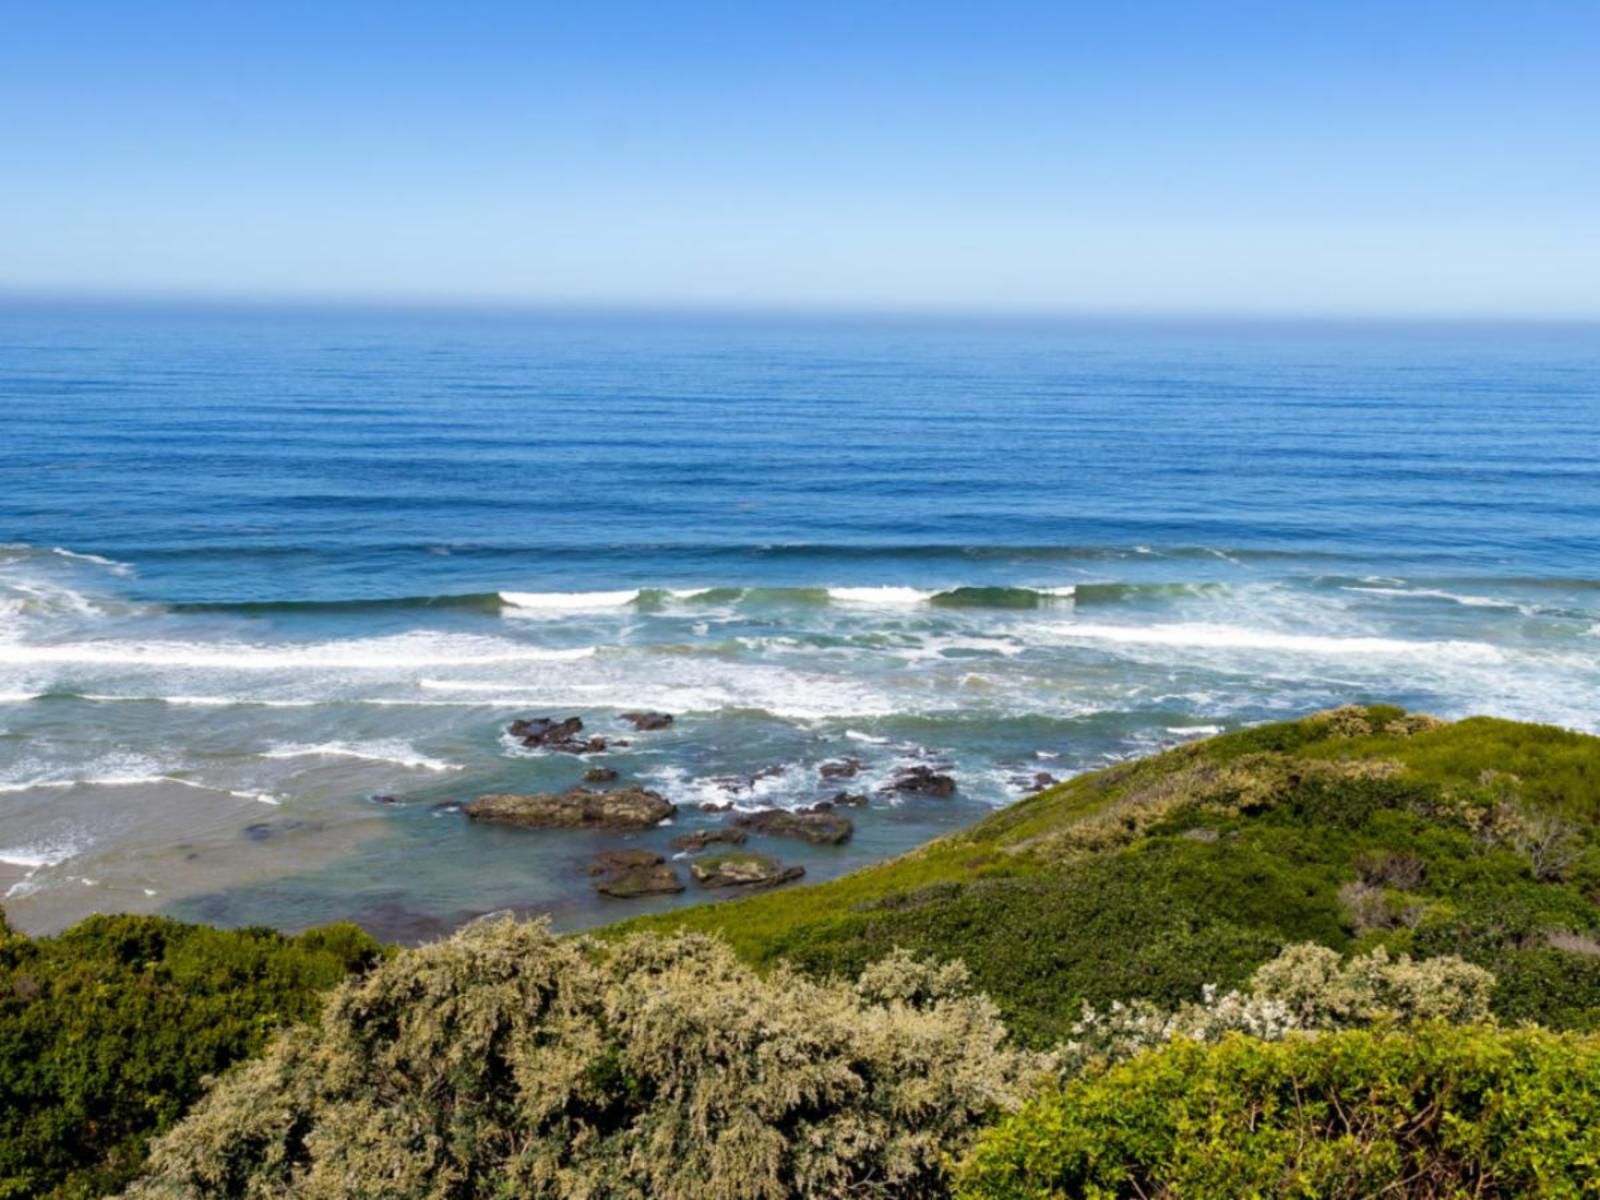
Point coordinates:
[(742, 869), (821, 806), (640, 881), (743, 783), (623, 860), (646, 721), (843, 768), (625, 808), (1036, 782), (849, 800), (702, 838), (820, 829), (923, 781), (630, 873), (600, 775), (384, 798), (547, 733), (713, 806)]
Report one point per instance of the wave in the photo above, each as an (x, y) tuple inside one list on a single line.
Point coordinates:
[(57, 784), (487, 602), (1466, 601), (1230, 637), (391, 750), (397, 653)]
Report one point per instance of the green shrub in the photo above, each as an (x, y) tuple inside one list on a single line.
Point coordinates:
[(108, 1030), (507, 1062), (1442, 1111)]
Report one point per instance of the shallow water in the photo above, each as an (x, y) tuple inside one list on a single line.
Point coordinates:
[(263, 566)]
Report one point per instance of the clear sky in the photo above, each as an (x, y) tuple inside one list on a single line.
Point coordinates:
[(1286, 157)]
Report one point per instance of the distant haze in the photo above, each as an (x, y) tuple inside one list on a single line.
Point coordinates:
[(1358, 158)]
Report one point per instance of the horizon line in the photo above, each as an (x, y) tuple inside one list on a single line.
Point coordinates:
[(753, 309)]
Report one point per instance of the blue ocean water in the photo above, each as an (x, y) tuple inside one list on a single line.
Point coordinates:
[(260, 566)]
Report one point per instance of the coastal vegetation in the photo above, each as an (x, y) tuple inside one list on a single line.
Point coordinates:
[(1348, 954), (109, 1031)]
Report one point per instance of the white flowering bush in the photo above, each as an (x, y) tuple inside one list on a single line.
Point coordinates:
[(1306, 989)]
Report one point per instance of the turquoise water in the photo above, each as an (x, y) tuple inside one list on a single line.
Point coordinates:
[(261, 566)]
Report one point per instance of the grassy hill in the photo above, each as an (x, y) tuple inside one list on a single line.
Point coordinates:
[(1355, 828)]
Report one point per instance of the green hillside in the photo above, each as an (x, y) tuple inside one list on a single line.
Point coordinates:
[(1355, 828)]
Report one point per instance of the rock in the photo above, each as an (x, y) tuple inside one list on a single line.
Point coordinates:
[(849, 800), (700, 839), (841, 768), (744, 783), (820, 829), (821, 806), (384, 798), (742, 869), (600, 775), (713, 806), (546, 733), (923, 781), (623, 860), (1036, 782), (630, 873), (644, 722), (625, 808)]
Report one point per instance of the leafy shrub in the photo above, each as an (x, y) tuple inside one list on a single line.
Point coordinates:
[(1307, 988), (108, 1029), (1439, 1111), (507, 1062)]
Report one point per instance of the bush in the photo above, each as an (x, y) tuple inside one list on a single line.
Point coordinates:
[(108, 1030), (1441, 1111), (507, 1062), (1307, 988)]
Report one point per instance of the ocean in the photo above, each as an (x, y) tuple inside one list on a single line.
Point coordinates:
[(273, 581)]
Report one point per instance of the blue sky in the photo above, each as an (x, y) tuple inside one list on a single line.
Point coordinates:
[(1283, 157)]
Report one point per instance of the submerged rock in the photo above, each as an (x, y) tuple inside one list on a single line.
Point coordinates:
[(625, 808), (644, 722), (840, 768), (742, 869), (600, 775), (623, 860), (1036, 782), (923, 781), (630, 873), (848, 800), (702, 838), (818, 828), (547, 733)]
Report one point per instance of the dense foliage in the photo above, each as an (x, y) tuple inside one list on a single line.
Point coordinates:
[(507, 1062), (108, 1030), (1440, 1111), (1353, 829)]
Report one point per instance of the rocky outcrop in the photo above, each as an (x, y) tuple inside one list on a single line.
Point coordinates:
[(625, 808), (547, 733), (923, 781), (840, 768), (702, 838), (1036, 782), (848, 800), (644, 722), (600, 775), (742, 869), (626, 874), (818, 828)]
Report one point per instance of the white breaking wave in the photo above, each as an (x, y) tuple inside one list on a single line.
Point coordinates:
[(56, 783), (390, 750), (892, 597), (570, 601), (395, 653), (1228, 637), (1194, 730), (855, 735), (1437, 594), (110, 564)]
